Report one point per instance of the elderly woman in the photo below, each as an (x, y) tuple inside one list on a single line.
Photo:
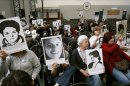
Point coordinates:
[(10, 31), (111, 55), (78, 59), (24, 60)]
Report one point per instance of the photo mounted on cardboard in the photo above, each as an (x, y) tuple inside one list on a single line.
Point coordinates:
[(40, 22), (24, 23), (34, 22), (121, 27), (53, 50), (128, 39), (12, 37), (95, 63), (67, 28)]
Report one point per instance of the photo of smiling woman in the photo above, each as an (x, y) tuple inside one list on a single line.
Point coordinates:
[(53, 48), (10, 30)]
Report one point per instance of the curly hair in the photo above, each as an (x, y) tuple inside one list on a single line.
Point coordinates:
[(9, 23)]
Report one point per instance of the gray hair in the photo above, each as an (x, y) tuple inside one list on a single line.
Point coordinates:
[(81, 38)]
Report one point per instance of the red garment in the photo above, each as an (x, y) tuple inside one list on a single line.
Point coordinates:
[(74, 32), (110, 55)]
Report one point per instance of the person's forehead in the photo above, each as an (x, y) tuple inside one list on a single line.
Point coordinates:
[(8, 29), (53, 40)]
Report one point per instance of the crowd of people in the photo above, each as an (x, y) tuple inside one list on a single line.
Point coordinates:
[(22, 68)]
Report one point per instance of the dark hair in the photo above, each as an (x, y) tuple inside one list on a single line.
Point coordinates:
[(9, 23), (107, 36), (17, 78), (2, 17), (120, 27), (95, 53)]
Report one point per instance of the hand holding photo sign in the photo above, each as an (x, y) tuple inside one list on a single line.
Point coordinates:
[(12, 39), (53, 50)]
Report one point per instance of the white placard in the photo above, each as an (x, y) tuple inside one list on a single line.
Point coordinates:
[(67, 27), (24, 23), (128, 40), (34, 22), (56, 24), (95, 63), (53, 50), (40, 22), (121, 27), (13, 39)]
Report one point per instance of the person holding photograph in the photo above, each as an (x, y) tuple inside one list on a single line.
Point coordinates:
[(60, 74), (96, 60), (10, 30), (79, 60), (25, 60), (121, 42), (53, 48)]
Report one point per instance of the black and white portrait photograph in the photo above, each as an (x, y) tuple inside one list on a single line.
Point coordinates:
[(24, 23), (128, 39), (12, 37), (95, 61), (67, 28), (34, 22), (40, 22), (53, 49), (121, 27)]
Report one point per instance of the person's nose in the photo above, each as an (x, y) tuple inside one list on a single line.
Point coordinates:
[(11, 35), (53, 47)]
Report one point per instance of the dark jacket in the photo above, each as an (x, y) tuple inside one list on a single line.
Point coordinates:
[(77, 61)]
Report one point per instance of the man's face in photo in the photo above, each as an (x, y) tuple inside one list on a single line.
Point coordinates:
[(53, 48)]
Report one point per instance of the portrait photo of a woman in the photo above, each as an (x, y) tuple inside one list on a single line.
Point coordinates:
[(10, 30), (95, 60), (53, 48)]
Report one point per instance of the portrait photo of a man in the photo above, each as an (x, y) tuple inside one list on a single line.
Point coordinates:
[(53, 48)]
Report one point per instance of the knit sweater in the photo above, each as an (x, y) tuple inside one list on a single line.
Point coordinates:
[(28, 63)]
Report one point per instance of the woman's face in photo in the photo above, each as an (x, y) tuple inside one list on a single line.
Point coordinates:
[(94, 59), (10, 34), (53, 48)]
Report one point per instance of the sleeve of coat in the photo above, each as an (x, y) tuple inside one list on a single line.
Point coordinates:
[(108, 49), (124, 54)]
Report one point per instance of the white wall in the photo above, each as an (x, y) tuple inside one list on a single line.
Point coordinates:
[(6, 7), (70, 12), (57, 3)]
